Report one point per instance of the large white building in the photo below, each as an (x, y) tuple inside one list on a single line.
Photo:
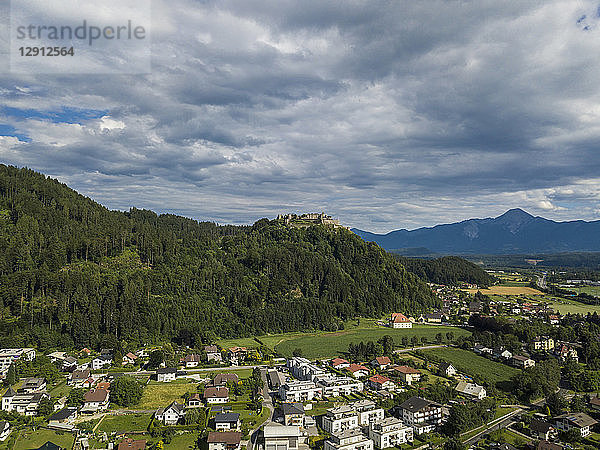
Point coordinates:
[(422, 414), (299, 391), (348, 440), (390, 432), (340, 419), (11, 355), (303, 369), (471, 390), (26, 404), (334, 386), (281, 437), (399, 320), (368, 412)]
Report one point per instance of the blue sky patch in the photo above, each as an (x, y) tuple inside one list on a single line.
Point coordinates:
[(9, 130), (64, 115)]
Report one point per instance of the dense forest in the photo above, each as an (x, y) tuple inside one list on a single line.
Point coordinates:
[(74, 273), (450, 270)]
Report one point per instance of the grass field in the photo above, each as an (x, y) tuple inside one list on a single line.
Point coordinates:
[(328, 345), (468, 362), (126, 422), (34, 439), (161, 394), (572, 307), (591, 290), (506, 290)]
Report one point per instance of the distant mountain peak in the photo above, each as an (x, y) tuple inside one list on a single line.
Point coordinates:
[(515, 213), (514, 219)]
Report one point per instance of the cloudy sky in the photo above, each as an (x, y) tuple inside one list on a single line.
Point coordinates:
[(385, 114)]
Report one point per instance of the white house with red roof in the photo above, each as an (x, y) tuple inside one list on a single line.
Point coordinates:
[(339, 363), (399, 320), (380, 382), (358, 370), (408, 374), (381, 362)]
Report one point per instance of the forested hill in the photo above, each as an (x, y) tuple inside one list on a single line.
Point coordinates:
[(450, 270), (74, 273)]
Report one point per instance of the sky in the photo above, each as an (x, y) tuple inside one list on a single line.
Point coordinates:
[(384, 114)]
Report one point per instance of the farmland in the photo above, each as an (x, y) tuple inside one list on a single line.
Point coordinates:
[(506, 290), (475, 365)]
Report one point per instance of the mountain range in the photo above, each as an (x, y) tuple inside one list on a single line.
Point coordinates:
[(514, 232)]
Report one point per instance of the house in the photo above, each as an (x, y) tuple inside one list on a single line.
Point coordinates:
[(522, 362), (564, 352), (8, 356), (224, 440), (547, 445), (381, 362), (69, 364), (390, 432), (293, 414), (501, 353), (348, 440), (435, 317), (190, 361), (275, 379), (63, 419), (358, 370), (407, 374), (303, 369), (475, 307), (447, 370), (482, 350), (195, 401), (237, 354), (543, 343), (299, 391), (166, 374), (95, 400), (540, 429), (222, 379), (282, 437), (171, 415), (422, 414), (129, 358), (31, 385), (216, 394), (595, 403), (227, 422), (101, 362), (368, 412), (399, 320), (339, 363), (212, 353), (340, 419), (471, 390), (131, 444), (49, 445), (26, 404), (380, 382), (553, 319), (333, 386), (578, 421), (4, 430)]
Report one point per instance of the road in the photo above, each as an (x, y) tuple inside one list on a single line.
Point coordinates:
[(424, 347), (541, 281), (204, 369), (494, 425), (267, 403)]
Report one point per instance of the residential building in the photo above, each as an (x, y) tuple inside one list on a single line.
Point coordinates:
[(303, 369), (547, 445), (282, 437), (293, 414), (348, 440), (78, 376), (299, 391), (522, 362), (482, 350), (4, 430), (358, 370), (340, 419), (578, 421), (543, 343), (69, 364), (131, 444), (381, 362), (399, 320), (380, 382), (227, 422), (422, 414), (275, 378), (447, 370), (501, 353), (368, 412), (195, 401), (63, 419), (390, 432), (237, 355), (408, 374), (471, 390), (166, 374), (595, 403), (564, 352), (26, 404), (333, 386), (101, 362), (216, 394), (212, 353), (540, 429), (221, 379), (190, 361), (9, 356), (129, 358), (171, 415), (224, 440), (31, 385), (95, 400), (339, 363)]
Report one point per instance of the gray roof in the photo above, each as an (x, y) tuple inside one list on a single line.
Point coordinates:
[(166, 370), (417, 404), (63, 414), (292, 408), (227, 417), (578, 419), (10, 392), (540, 426)]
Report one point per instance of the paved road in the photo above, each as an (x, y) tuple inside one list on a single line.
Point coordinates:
[(267, 403), (424, 347), (203, 369), (501, 422)]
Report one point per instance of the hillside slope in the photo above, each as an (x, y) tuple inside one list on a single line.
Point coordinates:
[(514, 232), (73, 272)]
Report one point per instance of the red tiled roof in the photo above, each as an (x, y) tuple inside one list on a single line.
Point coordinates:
[(380, 379), (406, 369), (399, 318), (96, 395), (382, 360), (216, 392), (356, 367), (225, 437), (337, 361)]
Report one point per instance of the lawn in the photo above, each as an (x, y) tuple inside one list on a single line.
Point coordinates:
[(507, 290), (468, 362), (241, 373), (34, 439), (565, 306), (158, 395), (125, 422), (182, 441), (329, 345), (60, 390), (508, 437), (591, 290)]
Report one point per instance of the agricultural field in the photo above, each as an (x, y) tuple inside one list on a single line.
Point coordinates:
[(506, 290), (565, 306), (468, 362), (591, 290), (157, 395), (34, 439), (125, 422)]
